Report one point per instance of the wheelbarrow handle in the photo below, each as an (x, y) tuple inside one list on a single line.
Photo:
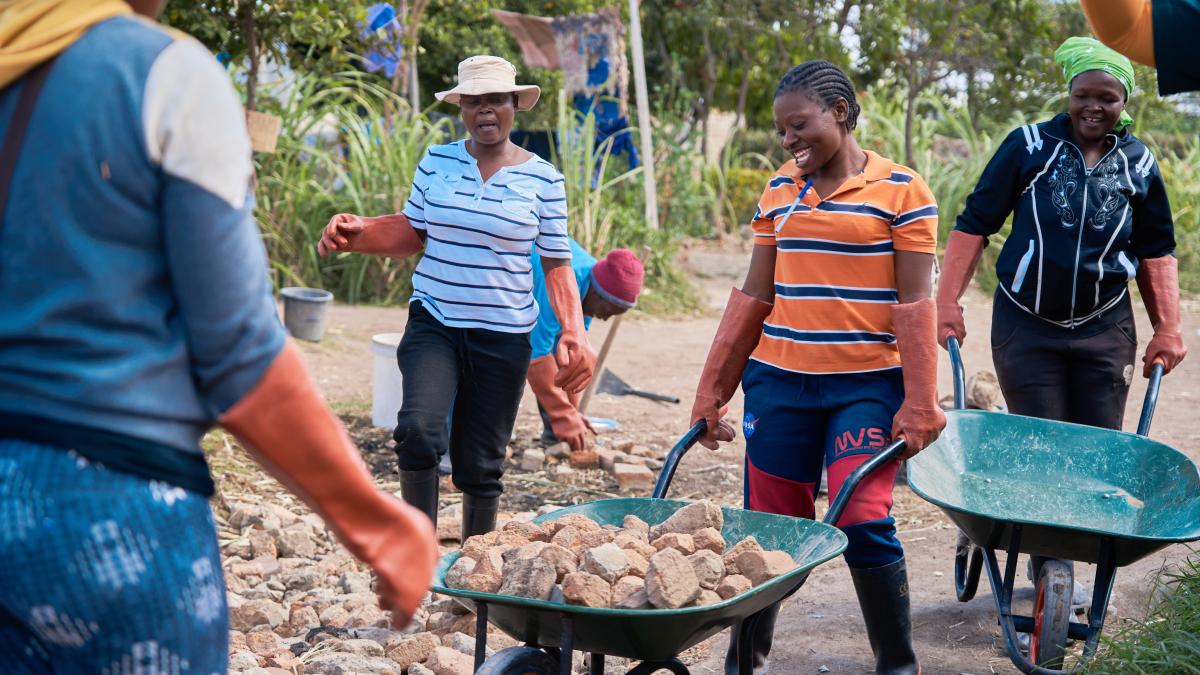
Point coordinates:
[(958, 371), (672, 461), (1151, 400), (960, 386), (884, 456)]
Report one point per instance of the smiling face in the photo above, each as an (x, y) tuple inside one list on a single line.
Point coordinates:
[(489, 117), (1095, 105), (810, 132)]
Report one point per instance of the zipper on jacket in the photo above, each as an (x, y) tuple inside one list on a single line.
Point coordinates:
[(1078, 249), (1083, 211)]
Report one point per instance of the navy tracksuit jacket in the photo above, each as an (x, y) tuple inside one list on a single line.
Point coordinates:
[(1078, 234)]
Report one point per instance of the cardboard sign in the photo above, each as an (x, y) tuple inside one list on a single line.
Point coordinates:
[(264, 130)]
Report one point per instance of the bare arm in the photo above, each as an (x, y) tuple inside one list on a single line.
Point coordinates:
[(551, 263), (760, 278), (914, 276)]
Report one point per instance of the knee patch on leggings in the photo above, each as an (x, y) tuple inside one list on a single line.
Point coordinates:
[(872, 543), (769, 493)]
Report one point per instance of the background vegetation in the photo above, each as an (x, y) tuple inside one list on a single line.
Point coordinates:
[(941, 83), (1167, 640)]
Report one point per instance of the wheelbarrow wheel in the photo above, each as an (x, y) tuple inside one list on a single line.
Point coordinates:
[(1051, 614), (968, 563), (520, 661)]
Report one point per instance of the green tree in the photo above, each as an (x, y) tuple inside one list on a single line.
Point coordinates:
[(298, 33), (452, 30), (995, 52)]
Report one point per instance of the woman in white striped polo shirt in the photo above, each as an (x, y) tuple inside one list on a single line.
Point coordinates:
[(479, 207)]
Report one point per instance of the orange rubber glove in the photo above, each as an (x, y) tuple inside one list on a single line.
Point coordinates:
[(567, 423), (958, 266), (738, 334), (286, 427), (575, 357), (391, 236), (1125, 25), (1158, 281), (920, 419)]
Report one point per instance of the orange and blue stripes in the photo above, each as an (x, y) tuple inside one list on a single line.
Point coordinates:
[(834, 269)]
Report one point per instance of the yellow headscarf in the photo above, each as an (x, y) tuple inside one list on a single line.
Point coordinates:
[(32, 31)]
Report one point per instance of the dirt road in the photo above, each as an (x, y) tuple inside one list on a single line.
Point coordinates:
[(820, 627)]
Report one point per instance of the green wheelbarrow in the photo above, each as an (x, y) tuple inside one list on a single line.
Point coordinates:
[(1057, 490), (553, 631)]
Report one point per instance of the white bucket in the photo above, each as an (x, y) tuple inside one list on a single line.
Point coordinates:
[(386, 390)]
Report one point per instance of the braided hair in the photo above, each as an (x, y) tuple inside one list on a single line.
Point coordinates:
[(825, 83)]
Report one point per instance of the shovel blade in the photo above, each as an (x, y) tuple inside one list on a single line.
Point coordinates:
[(611, 384)]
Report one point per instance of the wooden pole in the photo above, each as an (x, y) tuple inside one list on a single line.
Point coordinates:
[(414, 84), (643, 110), (600, 359)]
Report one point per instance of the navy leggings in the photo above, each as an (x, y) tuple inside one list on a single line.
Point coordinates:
[(104, 572), (797, 422)]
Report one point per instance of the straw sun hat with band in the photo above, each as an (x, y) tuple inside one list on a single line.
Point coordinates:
[(483, 74)]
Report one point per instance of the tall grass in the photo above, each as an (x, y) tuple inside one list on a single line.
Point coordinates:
[(1180, 166), (1167, 640), (344, 149), (339, 152), (606, 210), (590, 182)]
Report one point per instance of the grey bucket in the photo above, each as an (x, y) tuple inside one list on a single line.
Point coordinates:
[(304, 311)]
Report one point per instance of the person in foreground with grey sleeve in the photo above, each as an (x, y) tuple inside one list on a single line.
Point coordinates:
[(135, 313)]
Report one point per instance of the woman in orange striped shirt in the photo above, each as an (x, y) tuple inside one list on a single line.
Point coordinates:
[(837, 298)]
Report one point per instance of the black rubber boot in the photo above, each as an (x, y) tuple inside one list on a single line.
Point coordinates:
[(764, 631), (420, 489), (479, 515), (883, 596)]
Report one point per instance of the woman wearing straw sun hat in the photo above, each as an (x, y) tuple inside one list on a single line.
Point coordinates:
[(479, 207)]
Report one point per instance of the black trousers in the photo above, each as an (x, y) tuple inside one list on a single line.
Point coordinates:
[(481, 375), (1080, 376)]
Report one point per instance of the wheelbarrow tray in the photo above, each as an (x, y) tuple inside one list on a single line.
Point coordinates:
[(657, 634), (1068, 486)]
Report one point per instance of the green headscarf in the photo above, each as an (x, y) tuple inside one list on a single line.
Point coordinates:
[(1080, 54)]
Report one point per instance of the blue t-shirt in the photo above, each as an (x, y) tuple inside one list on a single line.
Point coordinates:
[(136, 303), (544, 338)]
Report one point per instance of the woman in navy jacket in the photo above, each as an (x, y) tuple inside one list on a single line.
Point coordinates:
[(1090, 213)]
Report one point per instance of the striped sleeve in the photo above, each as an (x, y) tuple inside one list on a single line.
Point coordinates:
[(414, 208), (764, 227), (552, 241), (915, 226)]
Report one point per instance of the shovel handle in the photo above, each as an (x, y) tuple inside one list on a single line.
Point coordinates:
[(672, 461), (663, 398), (847, 491)]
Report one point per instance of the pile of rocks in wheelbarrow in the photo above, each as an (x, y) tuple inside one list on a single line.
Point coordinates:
[(681, 562)]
